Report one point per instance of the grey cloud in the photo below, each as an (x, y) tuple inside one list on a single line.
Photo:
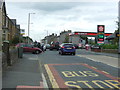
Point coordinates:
[(46, 6), (56, 6)]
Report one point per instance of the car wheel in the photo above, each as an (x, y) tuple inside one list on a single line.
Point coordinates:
[(37, 51), (59, 53), (50, 49), (62, 53), (74, 53)]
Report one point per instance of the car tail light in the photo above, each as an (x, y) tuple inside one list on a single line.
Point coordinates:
[(63, 47), (74, 47)]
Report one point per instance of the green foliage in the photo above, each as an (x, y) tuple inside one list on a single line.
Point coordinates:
[(66, 39), (109, 46), (15, 40), (84, 38)]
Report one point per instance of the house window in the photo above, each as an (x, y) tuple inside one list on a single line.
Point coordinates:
[(7, 22), (3, 37), (4, 31)]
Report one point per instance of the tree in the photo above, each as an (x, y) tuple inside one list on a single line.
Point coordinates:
[(66, 39), (15, 40), (116, 40), (84, 38)]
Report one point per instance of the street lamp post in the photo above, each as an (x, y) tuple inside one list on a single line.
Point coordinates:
[(46, 31), (29, 25), (46, 36)]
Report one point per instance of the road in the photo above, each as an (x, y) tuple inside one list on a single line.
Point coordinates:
[(50, 70), (84, 70)]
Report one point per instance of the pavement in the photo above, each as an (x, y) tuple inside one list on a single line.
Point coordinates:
[(102, 53), (106, 58), (0, 70), (25, 73)]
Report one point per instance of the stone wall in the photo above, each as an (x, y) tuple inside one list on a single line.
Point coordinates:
[(110, 50), (4, 61), (0, 29), (105, 50), (9, 56), (13, 55)]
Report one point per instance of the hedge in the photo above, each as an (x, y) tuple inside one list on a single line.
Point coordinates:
[(109, 46)]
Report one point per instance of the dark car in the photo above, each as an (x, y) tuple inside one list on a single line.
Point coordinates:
[(67, 48), (95, 47), (29, 48), (54, 45), (47, 46), (76, 46)]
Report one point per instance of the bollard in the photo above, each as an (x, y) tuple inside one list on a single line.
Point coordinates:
[(20, 52)]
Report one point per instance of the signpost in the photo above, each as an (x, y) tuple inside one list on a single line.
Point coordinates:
[(100, 34), (119, 25)]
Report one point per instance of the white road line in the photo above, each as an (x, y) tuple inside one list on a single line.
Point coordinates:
[(45, 82), (43, 77), (99, 60)]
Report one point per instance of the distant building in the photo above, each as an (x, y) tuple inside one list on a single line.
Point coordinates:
[(63, 35), (74, 39), (10, 30), (25, 39), (50, 38), (1, 5), (113, 36)]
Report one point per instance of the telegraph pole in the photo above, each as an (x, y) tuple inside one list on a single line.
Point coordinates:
[(29, 25), (119, 25)]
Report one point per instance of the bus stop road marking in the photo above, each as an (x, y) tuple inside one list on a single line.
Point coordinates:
[(58, 82)]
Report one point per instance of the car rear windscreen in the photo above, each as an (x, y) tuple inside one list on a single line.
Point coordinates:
[(68, 45)]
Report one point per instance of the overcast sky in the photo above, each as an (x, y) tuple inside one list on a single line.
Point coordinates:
[(55, 17)]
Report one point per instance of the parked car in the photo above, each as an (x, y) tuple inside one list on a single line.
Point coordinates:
[(54, 45), (47, 46), (76, 46), (95, 47), (67, 48), (43, 47), (19, 45), (29, 48)]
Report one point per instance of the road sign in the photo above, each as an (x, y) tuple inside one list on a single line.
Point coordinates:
[(101, 36), (100, 29), (118, 35)]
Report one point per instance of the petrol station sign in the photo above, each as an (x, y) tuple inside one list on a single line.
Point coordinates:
[(100, 33)]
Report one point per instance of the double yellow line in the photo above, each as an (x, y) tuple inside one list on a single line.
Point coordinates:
[(51, 77)]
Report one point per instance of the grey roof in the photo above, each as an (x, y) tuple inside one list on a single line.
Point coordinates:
[(14, 21), (112, 36), (18, 26)]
